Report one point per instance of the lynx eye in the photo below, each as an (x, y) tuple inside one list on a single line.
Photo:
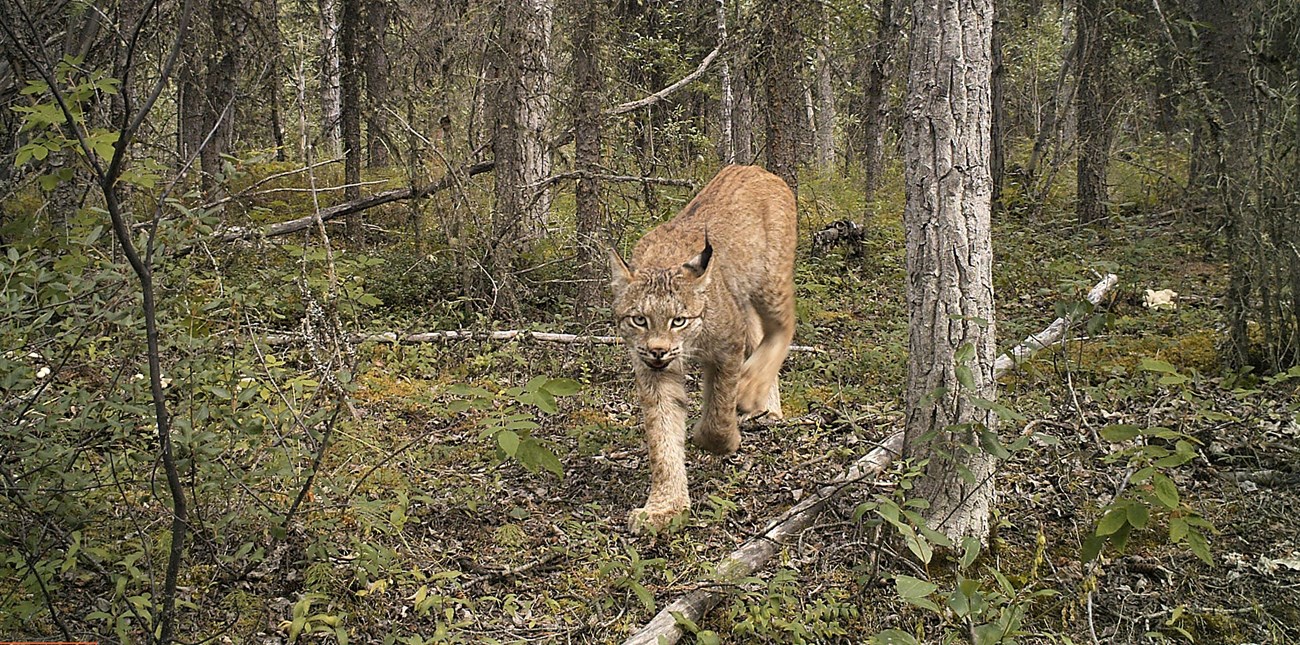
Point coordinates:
[(679, 322), (638, 321)]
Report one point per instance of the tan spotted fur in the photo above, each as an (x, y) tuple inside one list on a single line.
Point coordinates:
[(715, 286)]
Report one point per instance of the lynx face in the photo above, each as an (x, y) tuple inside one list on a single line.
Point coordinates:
[(659, 312)]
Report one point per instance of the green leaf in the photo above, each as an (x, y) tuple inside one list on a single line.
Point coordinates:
[(1002, 411), (894, 637), (1138, 515), (965, 377), (1177, 529), (910, 588), (1119, 432), (1154, 365), (1091, 547), (534, 456), (1197, 543), (1165, 490), (647, 599), (509, 442), (1113, 520), (992, 444), (562, 386), (970, 551)]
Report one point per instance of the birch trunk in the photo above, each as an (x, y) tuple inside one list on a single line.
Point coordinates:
[(949, 261), (728, 147)]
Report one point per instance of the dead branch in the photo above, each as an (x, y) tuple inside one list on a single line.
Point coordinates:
[(507, 334), (757, 550), (236, 233), (1052, 334)]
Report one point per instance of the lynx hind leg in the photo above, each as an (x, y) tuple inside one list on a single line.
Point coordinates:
[(717, 430), (771, 328)]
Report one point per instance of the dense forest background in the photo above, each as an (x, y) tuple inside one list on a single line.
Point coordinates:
[(252, 251)]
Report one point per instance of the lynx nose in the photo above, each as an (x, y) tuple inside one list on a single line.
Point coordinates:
[(657, 353)]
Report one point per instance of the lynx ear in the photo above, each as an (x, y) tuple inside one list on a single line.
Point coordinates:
[(619, 272), (698, 265)]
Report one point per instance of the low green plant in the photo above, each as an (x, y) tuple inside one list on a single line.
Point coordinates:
[(507, 417)]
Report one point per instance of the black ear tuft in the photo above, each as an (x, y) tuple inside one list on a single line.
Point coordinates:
[(700, 263)]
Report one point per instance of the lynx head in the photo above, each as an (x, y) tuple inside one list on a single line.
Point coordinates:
[(658, 310)]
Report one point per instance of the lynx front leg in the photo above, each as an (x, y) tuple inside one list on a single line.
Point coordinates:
[(717, 430), (663, 405)]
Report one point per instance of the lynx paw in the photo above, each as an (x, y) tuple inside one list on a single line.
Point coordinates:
[(755, 399), (716, 440), (656, 519)]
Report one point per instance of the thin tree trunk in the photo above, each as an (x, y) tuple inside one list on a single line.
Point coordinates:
[(350, 79), (875, 102), (376, 69), (272, 78), (728, 146), (997, 94), (825, 117), (742, 121), (949, 261), (784, 60), (588, 82), (1092, 105), (331, 94)]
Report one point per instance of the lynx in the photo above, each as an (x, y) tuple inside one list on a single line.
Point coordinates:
[(714, 285)]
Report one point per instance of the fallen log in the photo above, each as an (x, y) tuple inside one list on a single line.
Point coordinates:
[(1050, 335), (757, 550), (236, 233)]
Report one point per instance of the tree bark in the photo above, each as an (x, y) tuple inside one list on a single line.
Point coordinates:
[(376, 69), (727, 148), (783, 41), (825, 117), (520, 106), (276, 38), (1093, 103), (997, 94), (350, 85), (331, 95), (875, 114), (949, 261), (588, 82)]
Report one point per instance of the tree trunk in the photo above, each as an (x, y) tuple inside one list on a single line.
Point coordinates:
[(876, 95), (520, 108), (783, 41), (949, 261), (1092, 106), (825, 117), (1225, 58), (221, 89), (727, 148), (376, 69), (742, 121), (997, 94), (331, 96), (588, 83), (275, 41), (350, 80)]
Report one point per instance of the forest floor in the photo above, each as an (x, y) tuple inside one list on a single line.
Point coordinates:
[(421, 527), (442, 539)]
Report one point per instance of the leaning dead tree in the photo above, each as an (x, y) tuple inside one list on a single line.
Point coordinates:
[(665, 627)]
